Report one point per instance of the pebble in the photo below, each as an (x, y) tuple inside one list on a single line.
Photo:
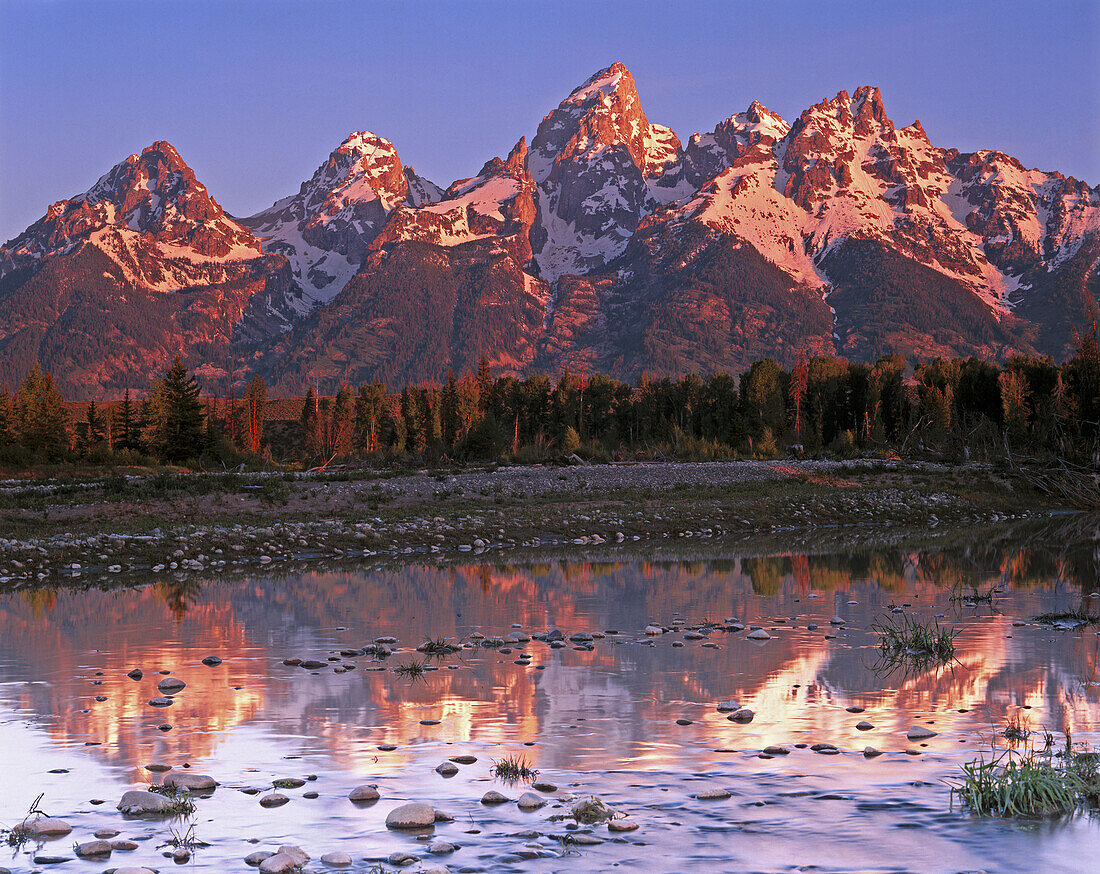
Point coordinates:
[(194, 782), (93, 849), (759, 634), (274, 799), (361, 794), (409, 816), (530, 801), (742, 715), (919, 732), (441, 848), (864, 725), (871, 752), (336, 860), (280, 863), (776, 751), (401, 859), (171, 685), (47, 827), (124, 846), (138, 802), (254, 859), (544, 786), (160, 701), (494, 797), (712, 793), (622, 825), (446, 769), (212, 661)]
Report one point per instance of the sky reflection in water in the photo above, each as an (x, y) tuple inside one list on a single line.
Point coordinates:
[(601, 722)]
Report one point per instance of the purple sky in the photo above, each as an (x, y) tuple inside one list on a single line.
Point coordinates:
[(254, 95)]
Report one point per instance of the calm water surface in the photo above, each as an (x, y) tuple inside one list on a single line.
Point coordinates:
[(600, 722)]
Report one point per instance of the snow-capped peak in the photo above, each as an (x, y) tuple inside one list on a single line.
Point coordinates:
[(325, 228), (151, 200)]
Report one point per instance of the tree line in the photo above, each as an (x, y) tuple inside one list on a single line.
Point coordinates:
[(954, 409)]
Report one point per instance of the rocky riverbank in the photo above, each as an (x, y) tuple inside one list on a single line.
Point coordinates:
[(186, 524)]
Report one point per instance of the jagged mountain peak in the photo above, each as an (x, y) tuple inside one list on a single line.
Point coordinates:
[(601, 166), (514, 166), (325, 228), (151, 198), (603, 84)]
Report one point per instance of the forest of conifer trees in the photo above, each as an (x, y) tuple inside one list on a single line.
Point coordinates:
[(823, 406)]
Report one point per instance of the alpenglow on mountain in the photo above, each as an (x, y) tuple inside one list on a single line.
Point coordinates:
[(604, 244)]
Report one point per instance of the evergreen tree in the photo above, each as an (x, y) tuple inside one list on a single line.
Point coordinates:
[(7, 417), (484, 383), (449, 422), (93, 429), (183, 418), (41, 415), (127, 431), (370, 410), (253, 412), (309, 425)]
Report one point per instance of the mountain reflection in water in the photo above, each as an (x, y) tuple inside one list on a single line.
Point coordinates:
[(605, 720)]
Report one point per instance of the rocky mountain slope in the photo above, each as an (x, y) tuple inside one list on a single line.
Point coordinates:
[(608, 245), (110, 285)]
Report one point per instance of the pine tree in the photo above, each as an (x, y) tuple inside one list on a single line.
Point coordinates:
[(127, 432), (183, 418), (800, 378), (449, 422), (370, 409), (7, 417), (484, 383), (309, 425), (255, 403), (93, 430), (41, 415)]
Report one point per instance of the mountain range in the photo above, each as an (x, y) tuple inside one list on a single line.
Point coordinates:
[(606, 244)]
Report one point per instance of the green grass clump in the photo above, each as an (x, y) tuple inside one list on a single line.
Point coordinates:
[(908, 642), (182, 802), (1016, 728), (437, 646), (592, 810), (412, 670), (1078, 617), (513, 769), (1031, 783)]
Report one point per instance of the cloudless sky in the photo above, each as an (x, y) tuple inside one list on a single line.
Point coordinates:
[(255, 95)]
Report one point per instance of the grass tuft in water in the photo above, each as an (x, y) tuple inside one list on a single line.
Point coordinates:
[(186, 839), (1030, 783), (1017, 728), (412, 670), (182, 802), (908, 641), (592, 810), (513, 769), (1068, 617), (437, 646)]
